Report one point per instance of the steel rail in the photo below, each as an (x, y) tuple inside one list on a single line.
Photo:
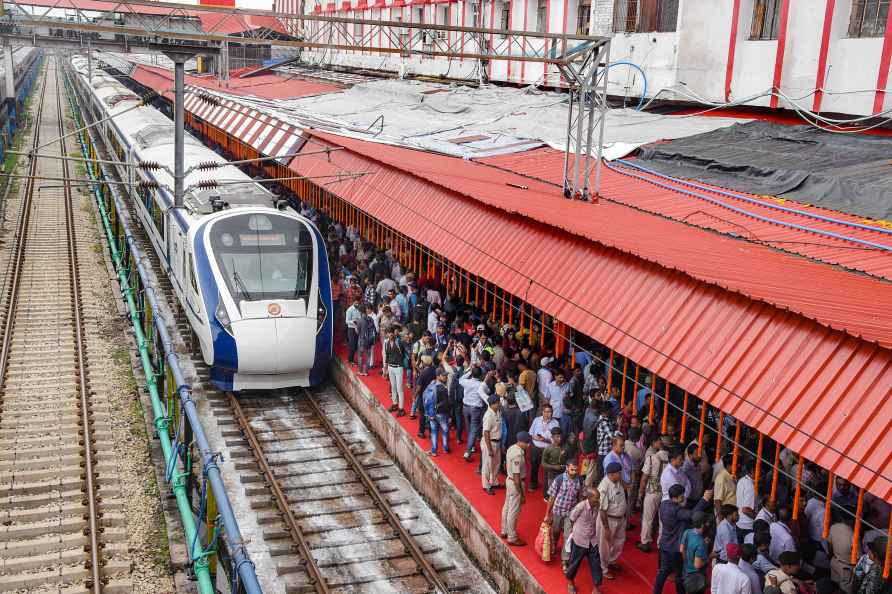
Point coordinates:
[(92, 496), (279, 496), (427, 570), (21, 239)]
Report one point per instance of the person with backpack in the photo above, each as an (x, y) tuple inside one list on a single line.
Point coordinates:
[(427, 374), (455, 394), (564, 492), (437, 407), (366, 339)]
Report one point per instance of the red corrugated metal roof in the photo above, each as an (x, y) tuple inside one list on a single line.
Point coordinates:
[(640, 190), (814, 388), (265, 86), (856, 304), (226, 24)]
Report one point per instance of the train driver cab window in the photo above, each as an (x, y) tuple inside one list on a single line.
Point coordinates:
[(263, 256)]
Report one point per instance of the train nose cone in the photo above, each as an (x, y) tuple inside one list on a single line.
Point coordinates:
[(275, 342)]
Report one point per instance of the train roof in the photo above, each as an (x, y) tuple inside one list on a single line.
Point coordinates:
[(151, 133)]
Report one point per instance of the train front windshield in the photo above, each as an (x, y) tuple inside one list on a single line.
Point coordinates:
[(263, 256)]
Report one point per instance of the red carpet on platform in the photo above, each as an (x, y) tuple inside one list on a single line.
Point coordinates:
[(637, 569)]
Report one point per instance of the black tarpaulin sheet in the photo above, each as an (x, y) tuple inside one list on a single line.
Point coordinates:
[(849, 173)]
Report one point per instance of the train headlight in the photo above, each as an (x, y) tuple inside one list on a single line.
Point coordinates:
[(222, 316), (321, 314)]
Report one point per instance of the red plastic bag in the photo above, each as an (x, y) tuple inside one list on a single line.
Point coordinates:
[(543, 542)]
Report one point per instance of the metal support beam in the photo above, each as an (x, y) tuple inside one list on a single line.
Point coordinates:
[(586, 74), (179, 60)]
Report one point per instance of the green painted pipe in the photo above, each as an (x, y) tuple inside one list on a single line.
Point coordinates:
[(178, 485)]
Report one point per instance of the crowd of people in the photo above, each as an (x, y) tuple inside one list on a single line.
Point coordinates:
[(539, 424)]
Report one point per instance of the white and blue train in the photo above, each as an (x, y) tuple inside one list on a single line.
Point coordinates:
[(252, 278)]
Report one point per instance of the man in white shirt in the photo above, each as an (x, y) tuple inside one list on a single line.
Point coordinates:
[(472, 406), (814, 512), (746, 501), (385, 285), (673, 475), (543, 379), (781, 537), (727, 578), (557, 390)]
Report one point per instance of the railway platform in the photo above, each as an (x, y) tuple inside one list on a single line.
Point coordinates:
[(637, 569)]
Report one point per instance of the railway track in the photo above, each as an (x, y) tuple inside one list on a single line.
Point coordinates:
[(62, 527), (341, 516)]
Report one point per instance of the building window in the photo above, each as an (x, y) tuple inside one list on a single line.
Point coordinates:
[(868, 18), (541, 15), (645, 16), (505, 23), (583, 17), (766, 19)]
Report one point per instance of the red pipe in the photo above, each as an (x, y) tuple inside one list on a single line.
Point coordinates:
[(885, 58), (523, 65), (732, 46), (781, 45), (822, 56)]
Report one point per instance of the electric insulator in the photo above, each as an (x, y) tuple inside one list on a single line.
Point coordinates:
[(147, 185), (207, 183), (149, 165), (205, 165)]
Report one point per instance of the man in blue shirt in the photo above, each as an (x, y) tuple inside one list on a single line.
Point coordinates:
[(693, 546), (726, 532)]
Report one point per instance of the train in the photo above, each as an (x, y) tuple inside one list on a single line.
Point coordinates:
[(250, 273)]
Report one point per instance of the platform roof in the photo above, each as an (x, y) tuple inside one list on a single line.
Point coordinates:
[(748, 217), (771, 339), (264, 86)]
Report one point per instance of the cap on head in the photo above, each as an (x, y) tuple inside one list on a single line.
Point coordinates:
[(524, 437), (493, 399), (732, 549), (613, 467)]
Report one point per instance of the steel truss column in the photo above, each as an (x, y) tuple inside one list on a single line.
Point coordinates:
[(585, 70), (179, 61)]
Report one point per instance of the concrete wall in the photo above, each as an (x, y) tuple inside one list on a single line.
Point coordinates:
[(481, 542), (692, 59)]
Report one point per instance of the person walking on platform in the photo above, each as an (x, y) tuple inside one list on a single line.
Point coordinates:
[(655, 459), (675, 518), (490, 446), (540, 429), (563, 494), (351, 321), (584, 541), (470, 383), (515, 497), (612, 517), (393, 358)]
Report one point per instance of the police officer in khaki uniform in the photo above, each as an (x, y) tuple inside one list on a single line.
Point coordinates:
[(655, 460), (611, 517), (515, 464), (490, 445)]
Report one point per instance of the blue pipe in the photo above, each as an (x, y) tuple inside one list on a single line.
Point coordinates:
[(744, 198), (643, 77), (739, 210)]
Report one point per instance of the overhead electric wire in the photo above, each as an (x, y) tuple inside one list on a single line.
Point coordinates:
[(741, 400)]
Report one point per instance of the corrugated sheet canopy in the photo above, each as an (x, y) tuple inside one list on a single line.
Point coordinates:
[(657, 195), (266, 134), (657, 291)]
